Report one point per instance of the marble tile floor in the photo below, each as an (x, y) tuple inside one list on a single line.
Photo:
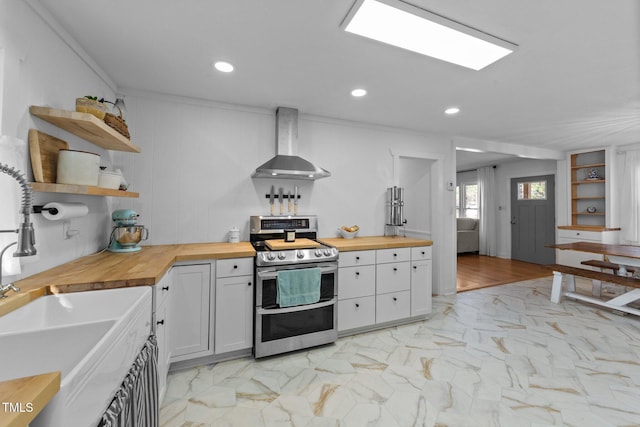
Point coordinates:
[(500, 356)]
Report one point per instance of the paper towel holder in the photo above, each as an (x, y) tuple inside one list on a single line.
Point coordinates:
[(39, 208)]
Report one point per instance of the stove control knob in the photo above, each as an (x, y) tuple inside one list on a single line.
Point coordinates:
[(300, 254), (270, 256), (281, 255), (318, 252), (327, 252)]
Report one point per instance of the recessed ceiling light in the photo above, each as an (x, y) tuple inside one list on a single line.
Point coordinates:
[(358, 93), (452, 111), (223, 66), (400, 24)]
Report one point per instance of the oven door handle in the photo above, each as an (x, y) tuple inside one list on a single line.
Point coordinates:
[(332, 301), (273, 274)]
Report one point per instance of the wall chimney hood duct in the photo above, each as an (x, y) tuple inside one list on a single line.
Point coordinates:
[(286, 164)]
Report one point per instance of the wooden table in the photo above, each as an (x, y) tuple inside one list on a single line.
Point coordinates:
[(622, 255)]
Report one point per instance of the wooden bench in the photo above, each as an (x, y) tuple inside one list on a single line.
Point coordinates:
[(606, 265), (618, 303)]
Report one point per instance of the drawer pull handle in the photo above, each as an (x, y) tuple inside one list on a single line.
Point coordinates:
[(357, 273), (357, 305), (165, 288), (235, 266), (395, 269), (415, 267), (395, 254), (422, 252), (395, 299), (249, 284), (357, 258), (160, 322)]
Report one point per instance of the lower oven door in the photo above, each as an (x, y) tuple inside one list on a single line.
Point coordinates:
[(282, 329)]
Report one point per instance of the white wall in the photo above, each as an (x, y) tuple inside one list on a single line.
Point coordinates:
[(194, 172), (40, 69)]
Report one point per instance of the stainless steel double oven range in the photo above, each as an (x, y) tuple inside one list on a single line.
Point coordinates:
[(282, 329)]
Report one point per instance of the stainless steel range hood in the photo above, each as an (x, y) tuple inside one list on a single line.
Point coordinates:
[(286, 164)]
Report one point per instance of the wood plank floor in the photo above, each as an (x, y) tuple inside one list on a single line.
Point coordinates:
[(480, 271)]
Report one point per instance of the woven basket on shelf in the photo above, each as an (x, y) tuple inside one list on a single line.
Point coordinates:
[(117, 123)]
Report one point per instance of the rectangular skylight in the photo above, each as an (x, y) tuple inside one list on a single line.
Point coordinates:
[(403, 25)]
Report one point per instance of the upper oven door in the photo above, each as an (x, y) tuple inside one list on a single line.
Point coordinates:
[(267, 283)]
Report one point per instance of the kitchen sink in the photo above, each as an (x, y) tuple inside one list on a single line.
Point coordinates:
[(91, 337)]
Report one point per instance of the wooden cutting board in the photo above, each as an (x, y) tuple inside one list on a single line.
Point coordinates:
[(44, 155), (279, 245)]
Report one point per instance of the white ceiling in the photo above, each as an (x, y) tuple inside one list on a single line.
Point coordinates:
[(573, 82)]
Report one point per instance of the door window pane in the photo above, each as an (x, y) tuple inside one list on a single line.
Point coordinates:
[(535, 190)]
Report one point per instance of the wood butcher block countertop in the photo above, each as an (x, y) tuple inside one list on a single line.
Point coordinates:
[(107, 270), (35, 391), (374, 242)]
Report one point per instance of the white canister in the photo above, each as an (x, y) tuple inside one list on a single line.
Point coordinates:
[(108, 179), (234, 235), (78, 167)]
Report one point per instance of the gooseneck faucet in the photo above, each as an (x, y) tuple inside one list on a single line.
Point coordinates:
[(26, 233)]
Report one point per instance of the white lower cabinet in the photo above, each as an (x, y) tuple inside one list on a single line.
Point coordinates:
[(234, 305), (575, 258), (161, 323), (393, 306), (190, 332), (356, 312), (384, 285)]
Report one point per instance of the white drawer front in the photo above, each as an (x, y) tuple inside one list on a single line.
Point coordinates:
[(393, 255), (356, 281), (350, 259), (579, 235), (234, 267), (356, 313), (392, 277), (393, 306), (421, 252)]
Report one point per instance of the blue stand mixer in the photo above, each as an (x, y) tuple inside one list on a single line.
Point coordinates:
[(126, 233)]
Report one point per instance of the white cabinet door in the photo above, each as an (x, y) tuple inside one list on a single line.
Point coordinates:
[(190, 308), (234, 314), (356, 281), (393, 306), (420, 288), (356, 313), (392, 277)]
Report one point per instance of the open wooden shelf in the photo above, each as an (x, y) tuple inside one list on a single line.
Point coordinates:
[(591, 166), (86, 126), (589, 181), (45, 187)]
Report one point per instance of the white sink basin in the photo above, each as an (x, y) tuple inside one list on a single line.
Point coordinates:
[(46, 350), (70, 309), (91, 337)]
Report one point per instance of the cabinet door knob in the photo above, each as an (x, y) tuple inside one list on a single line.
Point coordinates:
[(249, 284), (415, 267), (357, 258), (395, 254), (235, 266), (160, 322), (357, 273), (423, 252), (395, 299), (357, 305), (395, 269), (165, 288)]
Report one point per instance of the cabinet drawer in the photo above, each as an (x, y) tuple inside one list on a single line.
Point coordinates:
[(392, 277), (356, 313), (393, 255), (393, 306), (356, 281), (234, 267), (421, 252), (350, 259), (580, 235)]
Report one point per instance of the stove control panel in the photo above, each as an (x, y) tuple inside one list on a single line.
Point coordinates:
[(296, 256)]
